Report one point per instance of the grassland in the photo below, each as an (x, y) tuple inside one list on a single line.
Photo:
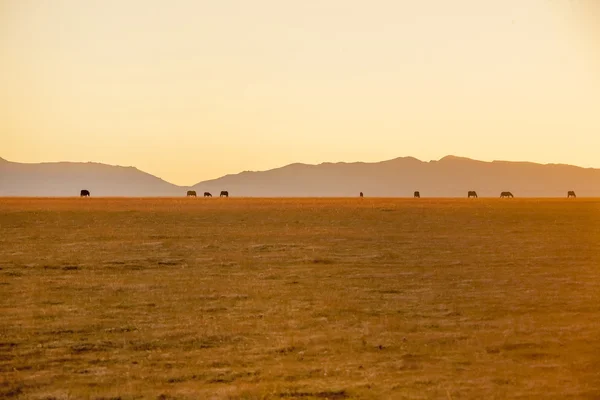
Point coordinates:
[(299, 298)]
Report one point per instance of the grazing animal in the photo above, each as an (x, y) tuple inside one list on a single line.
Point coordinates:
[(361, 194), (207, 194), (191, 193), (506, 195), (84, 193), (571, 194), (417, 195), (472, 193), (224, 193)]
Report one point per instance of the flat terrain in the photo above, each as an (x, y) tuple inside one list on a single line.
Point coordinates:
[(299, 298)]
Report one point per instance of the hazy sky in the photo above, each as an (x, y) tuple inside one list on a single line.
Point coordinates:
[(191, 90)]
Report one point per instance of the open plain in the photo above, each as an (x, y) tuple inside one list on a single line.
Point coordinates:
[(299, 298)]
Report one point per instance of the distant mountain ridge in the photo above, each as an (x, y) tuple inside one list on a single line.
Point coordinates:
[(68, 178), (450, 176)]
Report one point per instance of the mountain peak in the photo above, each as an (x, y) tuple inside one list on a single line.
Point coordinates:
[(455, 158), (408, 158)]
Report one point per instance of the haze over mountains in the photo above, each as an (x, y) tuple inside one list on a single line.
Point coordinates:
[(67, 179), (449, 177)]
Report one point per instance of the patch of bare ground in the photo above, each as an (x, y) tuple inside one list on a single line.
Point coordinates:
[(299, 299)]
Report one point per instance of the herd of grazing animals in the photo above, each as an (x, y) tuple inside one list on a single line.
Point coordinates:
[(190, 193), (416, 195)]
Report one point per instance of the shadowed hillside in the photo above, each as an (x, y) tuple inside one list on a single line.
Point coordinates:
[(449, 177), (67, 179)]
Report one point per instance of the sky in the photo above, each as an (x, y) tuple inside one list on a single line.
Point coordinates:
[(192, 90)]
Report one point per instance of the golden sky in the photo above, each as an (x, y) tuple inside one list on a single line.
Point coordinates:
[(192, 90)]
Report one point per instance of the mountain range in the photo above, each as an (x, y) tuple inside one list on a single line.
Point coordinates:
[(450, 176)]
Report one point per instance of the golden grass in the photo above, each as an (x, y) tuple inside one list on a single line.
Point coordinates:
[(299, 298)]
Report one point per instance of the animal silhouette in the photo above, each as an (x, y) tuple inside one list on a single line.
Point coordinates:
[(571, 193), (224, 193), (472, 193), (207, 194), (191, 193), (506, 195), (84, 193), (417, 195)]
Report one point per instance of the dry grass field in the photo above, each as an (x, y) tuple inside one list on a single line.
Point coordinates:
[(299, 299)]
